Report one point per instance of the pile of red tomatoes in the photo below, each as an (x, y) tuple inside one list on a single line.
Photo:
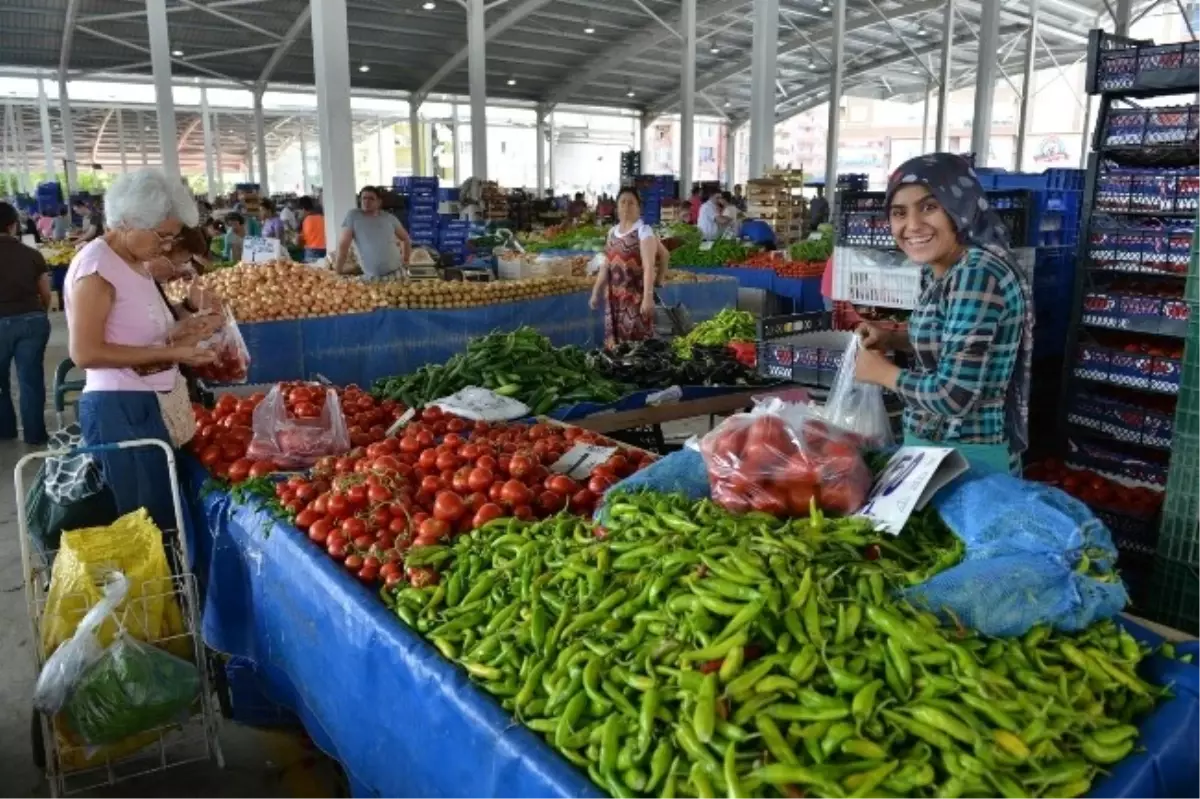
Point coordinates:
[(1096, 490), (224, 433), (441, 476)]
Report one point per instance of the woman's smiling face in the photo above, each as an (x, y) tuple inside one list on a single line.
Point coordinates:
[(921, 227)]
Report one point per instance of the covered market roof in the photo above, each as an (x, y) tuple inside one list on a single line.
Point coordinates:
[(584, 52)]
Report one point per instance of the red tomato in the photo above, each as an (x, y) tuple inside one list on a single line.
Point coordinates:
[(335, 546), (446, 461), (318, 530), (434, 528), (353, 527), (486, 514), (524, 513), (599, 482), (239, 470), (431, 485), (480, 479), (262, 468), (495, 491), (551, 502), (515, 493), (421, 576), (488, 462), (561, 484), (519, 466), (620, 465), (448, 506), (844, 496), (582, 501), (363, 542), (800, 496), (428, 459)]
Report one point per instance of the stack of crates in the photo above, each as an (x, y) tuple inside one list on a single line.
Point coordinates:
[(653, 190), (1057, 201), (49, 198), (452, 238), (422, 194)]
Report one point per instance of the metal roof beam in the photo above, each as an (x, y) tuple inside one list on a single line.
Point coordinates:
[(64, 51), (100, 135), (505, 22), (250, 26), (146, 51), (293, 33), (170, 10), (799, 101), (817, 35), (596, 65)]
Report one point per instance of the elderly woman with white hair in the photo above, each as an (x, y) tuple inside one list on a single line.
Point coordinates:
[(126, 338)]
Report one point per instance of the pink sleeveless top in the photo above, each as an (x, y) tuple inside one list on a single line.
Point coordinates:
[(138, 318)]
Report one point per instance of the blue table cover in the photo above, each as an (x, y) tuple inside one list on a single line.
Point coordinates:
[(805, 291), (405, 722), (360, 348)]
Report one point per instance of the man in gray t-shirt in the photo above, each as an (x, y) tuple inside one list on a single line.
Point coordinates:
[(383, 243)]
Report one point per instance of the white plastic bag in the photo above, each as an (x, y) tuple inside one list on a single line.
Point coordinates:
[(68, 663), (856, 407), (479, 404)]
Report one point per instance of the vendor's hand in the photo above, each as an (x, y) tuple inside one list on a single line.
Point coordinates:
[(594, 302), (162, 269), (648, 307), (873, 337), (871, 367), (191, 355)]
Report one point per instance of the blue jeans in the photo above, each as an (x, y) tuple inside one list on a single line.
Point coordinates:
[(23, 338), (137, 477), (313, 254)]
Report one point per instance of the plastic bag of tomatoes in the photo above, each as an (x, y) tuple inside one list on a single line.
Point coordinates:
[(292, 441), (233, 359), (779, 463)]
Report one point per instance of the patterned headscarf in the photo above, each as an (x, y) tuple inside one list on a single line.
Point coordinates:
[(953, 182)]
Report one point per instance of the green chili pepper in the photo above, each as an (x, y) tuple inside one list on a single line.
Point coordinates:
[(774, 740), (705, 716), (864, 783), (863, 704)]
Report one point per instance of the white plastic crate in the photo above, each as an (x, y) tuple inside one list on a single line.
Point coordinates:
[(875, 277)]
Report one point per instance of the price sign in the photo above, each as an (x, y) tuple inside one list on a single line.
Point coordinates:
[(404, 419), (258, 250), (912, 477), (578, 462), (705, 246)]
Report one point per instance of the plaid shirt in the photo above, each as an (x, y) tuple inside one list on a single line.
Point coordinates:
[(965, 334)]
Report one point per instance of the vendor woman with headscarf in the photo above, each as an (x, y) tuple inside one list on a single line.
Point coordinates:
[(972, 328)]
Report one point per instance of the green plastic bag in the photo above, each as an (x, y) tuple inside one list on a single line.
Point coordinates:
[(133, 687)]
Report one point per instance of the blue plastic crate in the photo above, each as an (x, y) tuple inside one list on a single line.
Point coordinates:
[(448, 195), (408, 182), (1053, 274)]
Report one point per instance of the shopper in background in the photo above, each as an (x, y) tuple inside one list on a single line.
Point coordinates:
[(62, 225), (123, 335), (312, 229), (383, 243), (45, 225), (971, 332), (713, 222), (623, 282), (577, 208), (24, 330), (739, 200), (694, 206), (818, 210), (272, 225), (287, 215), (606, 209), (91, 226), (235, 235)]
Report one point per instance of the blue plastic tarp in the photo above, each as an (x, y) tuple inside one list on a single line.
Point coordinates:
[(805, 291), (361, 348), (637, 400), (403, 721)]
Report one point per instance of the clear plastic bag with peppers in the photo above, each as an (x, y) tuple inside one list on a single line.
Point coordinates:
[(780, 459)]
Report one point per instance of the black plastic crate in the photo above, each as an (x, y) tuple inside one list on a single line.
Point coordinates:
[(862, 219), (1121, 65), (783, 353), (648, 437), (790, 324), (1145, 248), (1154, 191)]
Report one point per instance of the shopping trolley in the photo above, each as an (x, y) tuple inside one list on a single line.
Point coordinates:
[(175, 744)]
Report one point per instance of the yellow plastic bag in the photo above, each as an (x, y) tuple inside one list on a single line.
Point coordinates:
[(132, 545)]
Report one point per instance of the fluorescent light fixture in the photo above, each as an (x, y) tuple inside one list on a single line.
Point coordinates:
[(512, 81), (365, 68), (589, 28), (630, 93), (429, 6), (177, 53)]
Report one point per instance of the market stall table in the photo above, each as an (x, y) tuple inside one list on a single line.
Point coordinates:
[(404, 721), (804, 292), (724, 401)]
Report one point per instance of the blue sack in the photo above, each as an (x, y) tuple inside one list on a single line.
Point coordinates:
[(681, 472), (1024, 542)]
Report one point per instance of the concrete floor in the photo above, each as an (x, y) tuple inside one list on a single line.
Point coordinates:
[(258, 762)]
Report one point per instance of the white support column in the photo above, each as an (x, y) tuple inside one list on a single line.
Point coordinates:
[(477, 80), (5, 143), (730, 154), (143, 147), (985, 80), (68, 136), (23, 152), (687, 100), (550, 155), (414, 136), (210, 172), (379, 150), (540, 131), (945, 76), (261, 158), (250, 151), (454, 144), (216, 124), (1027, 84), (331, 65), (836, 79), (47, 138), (645, 122), (164, 101), (121, 141), (763, 57), (303, 161), (925, 118), (1122, 13)]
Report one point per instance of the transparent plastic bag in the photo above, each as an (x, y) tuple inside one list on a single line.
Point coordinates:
[(292, 443), (857, 408), (233, 358), (132, 687), (778, 459), (64, 668)]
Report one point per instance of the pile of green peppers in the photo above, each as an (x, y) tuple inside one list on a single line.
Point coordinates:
[(728, 325), (689, 652), (718, 253)]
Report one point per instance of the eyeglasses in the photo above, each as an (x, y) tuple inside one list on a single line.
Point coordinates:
[(168, 242)]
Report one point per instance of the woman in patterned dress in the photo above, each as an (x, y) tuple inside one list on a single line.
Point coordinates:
[(971, 332), (629, 311)]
